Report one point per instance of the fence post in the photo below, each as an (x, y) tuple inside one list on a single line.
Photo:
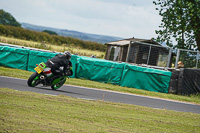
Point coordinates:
[(129, 46), (197, 59), (149, 55), (177, 59), (169, 57)]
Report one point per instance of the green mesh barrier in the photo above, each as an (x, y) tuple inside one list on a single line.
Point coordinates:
[(100, 70), (14, 57), (146, 78)]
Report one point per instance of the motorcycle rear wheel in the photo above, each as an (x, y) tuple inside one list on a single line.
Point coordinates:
[(33, 79), (58, 85)]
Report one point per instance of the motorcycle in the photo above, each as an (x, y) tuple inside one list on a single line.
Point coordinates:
[(43, 74)]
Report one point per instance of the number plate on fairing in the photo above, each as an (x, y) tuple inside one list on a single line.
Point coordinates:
[(38, 69)]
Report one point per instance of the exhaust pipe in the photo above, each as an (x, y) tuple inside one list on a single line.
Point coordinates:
[(42, 77)]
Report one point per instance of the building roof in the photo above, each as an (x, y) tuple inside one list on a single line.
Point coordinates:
[(127, 42)]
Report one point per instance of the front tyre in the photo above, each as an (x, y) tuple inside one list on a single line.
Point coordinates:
[(58, 85), (33, 80)]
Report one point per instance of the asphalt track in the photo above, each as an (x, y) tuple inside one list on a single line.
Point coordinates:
[(97, 94)]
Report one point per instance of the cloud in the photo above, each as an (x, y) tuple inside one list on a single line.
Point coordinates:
[(122, 18)]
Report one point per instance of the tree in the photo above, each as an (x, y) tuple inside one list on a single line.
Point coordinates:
[(180, 21), (7, 19), (50, 32)]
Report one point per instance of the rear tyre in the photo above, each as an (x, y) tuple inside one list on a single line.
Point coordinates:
[(33, 80), (58, 85)]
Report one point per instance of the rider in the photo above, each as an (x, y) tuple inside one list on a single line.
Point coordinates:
[(60, 65)]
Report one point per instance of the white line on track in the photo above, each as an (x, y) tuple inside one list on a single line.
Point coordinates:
[(87, 99), (133, 95)]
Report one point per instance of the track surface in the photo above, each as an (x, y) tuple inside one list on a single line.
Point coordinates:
[(96, 94)]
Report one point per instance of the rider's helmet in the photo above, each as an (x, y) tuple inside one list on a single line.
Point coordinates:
[(68, 55), (93, 56)]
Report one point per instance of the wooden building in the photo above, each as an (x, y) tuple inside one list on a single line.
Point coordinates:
[(138, 51)]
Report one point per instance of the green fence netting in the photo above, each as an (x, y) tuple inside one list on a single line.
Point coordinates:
[(99, 70), (146, 78), (14, 57)]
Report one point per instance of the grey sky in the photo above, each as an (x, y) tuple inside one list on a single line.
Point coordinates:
[(121, 18)]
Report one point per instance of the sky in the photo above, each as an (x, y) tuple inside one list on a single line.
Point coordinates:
[(119, 18)]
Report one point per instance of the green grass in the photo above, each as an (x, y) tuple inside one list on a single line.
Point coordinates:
[(32, 112), (87, 83)]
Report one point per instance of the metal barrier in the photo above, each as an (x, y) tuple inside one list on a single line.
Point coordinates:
[(149, 54), (156, 56), (187, 58)]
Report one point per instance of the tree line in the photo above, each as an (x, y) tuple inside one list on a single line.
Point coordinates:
[(21, 33)]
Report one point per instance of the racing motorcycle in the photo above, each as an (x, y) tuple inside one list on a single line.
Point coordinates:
[(43, 74)]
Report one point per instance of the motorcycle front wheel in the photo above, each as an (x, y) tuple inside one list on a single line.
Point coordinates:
[(33, 80), (58, 85)]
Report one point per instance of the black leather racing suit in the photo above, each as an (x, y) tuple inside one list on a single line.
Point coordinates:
[(56, 63)]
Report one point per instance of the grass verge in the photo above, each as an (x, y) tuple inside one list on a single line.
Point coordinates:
[(32, 112), (72, 49), (86, 83)]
